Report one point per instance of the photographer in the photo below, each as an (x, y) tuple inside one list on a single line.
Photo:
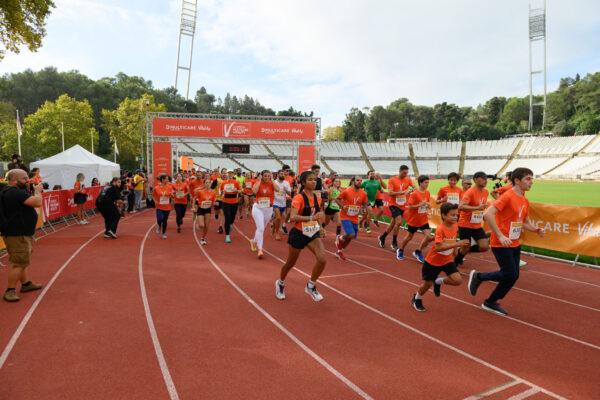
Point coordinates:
[(108, 203), (499, 189), (19, 219), (17, 163)]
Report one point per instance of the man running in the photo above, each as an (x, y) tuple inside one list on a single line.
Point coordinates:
[(399, 187), (417, 218), (288, 200), (351, 201), (279, 203), (472, 205), (216, 186), (371, 186), (242, 180), (506, 217)]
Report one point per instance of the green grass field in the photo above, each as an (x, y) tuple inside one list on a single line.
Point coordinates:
[(549, 192)]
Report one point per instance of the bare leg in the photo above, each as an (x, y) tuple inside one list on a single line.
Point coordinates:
[(292, 257), (317, 248)]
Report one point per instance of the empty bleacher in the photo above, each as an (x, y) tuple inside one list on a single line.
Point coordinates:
[(434, 149), (389, 167), (578, 166), (340, 149), (490, 166), (491, 148), (348, 167), (554, 145), (539, 166), (387, 150)]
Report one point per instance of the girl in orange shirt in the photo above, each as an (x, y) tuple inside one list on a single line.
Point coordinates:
[(162, 195), (203, 202), (248, 193), (80, 197), (181, 191), (262, 209)]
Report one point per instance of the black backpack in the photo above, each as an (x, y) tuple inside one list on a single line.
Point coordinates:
[(101, 199)]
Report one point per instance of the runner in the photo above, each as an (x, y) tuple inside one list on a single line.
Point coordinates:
[(466, 185), (398, 189), (182, 191), (351, 200), (307, 215), (441, 257), (279, 204), (216, 186), (451, 193), (162, 195), (379, 199), (79, 198), (262, 209), (371, 186), (289, 177), (417, 218), (333, 209), (472, 205), (231, 189), (248, 194), (500, 190), (507, 217), (242, 180), (203, 202), (195, 183)]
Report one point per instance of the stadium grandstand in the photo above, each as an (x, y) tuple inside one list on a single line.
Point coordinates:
[(571, 157)]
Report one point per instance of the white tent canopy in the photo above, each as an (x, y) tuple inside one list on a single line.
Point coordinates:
[(62, 169)]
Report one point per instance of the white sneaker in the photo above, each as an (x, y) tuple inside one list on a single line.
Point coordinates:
[(164, 236), (202, 241), (158, 230), (279, 290), (314, 293), (112, 234)]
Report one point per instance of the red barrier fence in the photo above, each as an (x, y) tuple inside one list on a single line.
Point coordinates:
[(60, 203)]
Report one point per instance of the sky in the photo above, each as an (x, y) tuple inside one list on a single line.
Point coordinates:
[(325, 56)]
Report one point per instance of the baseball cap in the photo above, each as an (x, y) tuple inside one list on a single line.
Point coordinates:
[(138, 170), (479, 174)]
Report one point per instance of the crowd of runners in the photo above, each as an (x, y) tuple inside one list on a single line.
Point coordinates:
[(302, 207)]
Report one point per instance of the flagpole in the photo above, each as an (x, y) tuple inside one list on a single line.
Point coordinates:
[(19, 133), (62, 129), (92, 134)]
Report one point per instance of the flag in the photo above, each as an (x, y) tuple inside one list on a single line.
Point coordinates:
[(116, 148), (19, 125)]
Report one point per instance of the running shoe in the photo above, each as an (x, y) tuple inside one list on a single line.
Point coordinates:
[(241, 217), (400, 254), (284, 229), (227, 239), (437, 289), (106, 235), (247, 215), (260, 254), (376, 223), (11, 296), (338, 242), (220, 230), (418, 255), (164, 236), (158, 230), (522, 263), (417, 303), (381, 239), (178, 229), (368, 229), (340, 255), (252, 246), (202, 241), (394, 246), (31, 287), (84, 222), (493, 307), (112, 234), (313, 292), (474, 282), (279, 290)]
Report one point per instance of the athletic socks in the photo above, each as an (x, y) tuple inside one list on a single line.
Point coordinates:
[(338, 230), (418, 296), (311, 284), (395, 239), (439, 281), (384, 235), (459, 258)]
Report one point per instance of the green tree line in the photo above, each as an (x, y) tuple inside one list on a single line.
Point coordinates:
[(573, 108)]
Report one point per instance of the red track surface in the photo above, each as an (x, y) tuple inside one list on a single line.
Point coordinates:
[(214, 328)]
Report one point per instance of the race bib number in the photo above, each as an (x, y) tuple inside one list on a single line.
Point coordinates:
[(280, 196), (317, 192), (515, 230), (353, 210), (249, 185), (453, 198), (476, 217), (180, 195), (164, 200), (422, 210), (449, 251), (310, 228), (401, 200), (263, 202), (229, 188), (205, 204)]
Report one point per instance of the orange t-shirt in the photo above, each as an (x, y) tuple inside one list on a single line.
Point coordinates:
[(454, 194), (204, 197), (162, 197), (180, 192), (248, 184), (37, 179), (79, 186), (443, 234), (195, 185), (473, 219), (399, 185), (418, 216), (290, 180), (512, 210), (230, 191), (265, 191), (378, 195), (354, 199), (298, 203), (215, 176), (503, 189)]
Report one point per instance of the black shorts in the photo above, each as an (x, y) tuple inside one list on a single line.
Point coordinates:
[(431, 272), (413, 229), (80, 198), (298, 240), (378, 203), (468, 233), (396, 211), (203, 211), (218, 205), (331, 211)]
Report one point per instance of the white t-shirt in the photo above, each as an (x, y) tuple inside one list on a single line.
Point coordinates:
[(279, 198)]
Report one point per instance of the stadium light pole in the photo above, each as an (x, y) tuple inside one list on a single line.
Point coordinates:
[(142, 101), (537, 31)]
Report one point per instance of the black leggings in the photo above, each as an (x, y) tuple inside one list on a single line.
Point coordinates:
[(111, 216), (229, 211), (179, 213)]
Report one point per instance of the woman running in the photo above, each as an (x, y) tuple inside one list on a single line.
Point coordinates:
[(307, 215), (80, 197), (181, 190), (248, 194), (332, 212), (231, 189), (262, 209), (162, 195), (205, 198)]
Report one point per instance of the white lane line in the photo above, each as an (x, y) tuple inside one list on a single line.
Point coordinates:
[(289, 334), (355, 273), (524, 395), (157, 349), (419, 332), (36, 303), (497, 389)]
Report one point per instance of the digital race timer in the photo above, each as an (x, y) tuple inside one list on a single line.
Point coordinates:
[(236, 148)]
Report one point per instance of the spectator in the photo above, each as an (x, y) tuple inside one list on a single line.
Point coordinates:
[(19, 221), (36, 175), (56, 187), (17, 163), (95, 182), (107, 203), (138, 186), (128, 183), (80, 197)]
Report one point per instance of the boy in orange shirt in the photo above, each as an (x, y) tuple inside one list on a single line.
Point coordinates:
[(398, 188), (472, 205), (506, 217), (350, 201), (451, 193), (417, 218), (441, 257)]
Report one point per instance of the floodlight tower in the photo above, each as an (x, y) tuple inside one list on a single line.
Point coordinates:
[(187, 28), (537, 32)]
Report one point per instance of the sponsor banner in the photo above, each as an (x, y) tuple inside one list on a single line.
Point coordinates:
[(161, 153), (60, 203), (210, 128), (306, 158)]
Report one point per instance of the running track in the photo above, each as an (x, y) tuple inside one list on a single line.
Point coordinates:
[(146, 318)]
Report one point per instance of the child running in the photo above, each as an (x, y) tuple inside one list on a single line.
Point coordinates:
[(451, 193), (204, 200), (307, 214), (472, 205), (398, 189), (506, 217), (351, 201), (372, 187), (417, 218), (441, 257), (262, 209)]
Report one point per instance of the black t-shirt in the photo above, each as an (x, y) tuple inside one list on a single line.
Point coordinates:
[(21, 219), (108, 196)]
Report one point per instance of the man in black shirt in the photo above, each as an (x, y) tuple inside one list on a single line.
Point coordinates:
[(18, 206), (107, 202)]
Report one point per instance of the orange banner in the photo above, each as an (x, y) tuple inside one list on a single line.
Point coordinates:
[(210, 128), (306, 158), (161, 156)]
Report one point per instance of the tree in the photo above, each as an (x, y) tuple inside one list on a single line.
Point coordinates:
[(493, 109), (563, 128), (515, 110), (22, 22), (354, 125), (333, 134)]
